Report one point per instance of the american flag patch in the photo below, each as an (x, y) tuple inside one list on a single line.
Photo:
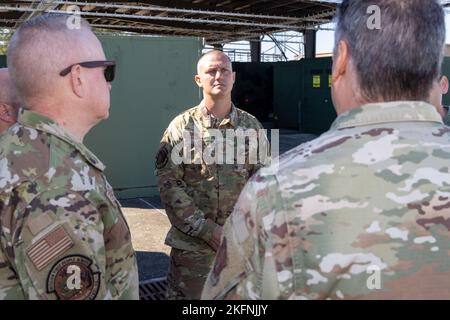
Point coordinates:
[(51, 246)]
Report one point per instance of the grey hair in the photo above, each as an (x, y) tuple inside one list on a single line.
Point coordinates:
[(39, 50), (401, 60)]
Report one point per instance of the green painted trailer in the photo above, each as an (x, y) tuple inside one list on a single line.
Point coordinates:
[(154, 83)]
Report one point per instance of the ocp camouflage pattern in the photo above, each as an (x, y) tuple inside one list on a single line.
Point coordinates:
[(362, 212), (58, 210)]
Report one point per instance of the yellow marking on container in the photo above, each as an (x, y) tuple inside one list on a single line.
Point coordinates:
[(316, 81)]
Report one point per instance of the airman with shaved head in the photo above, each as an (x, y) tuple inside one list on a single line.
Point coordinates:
[(200, 195)]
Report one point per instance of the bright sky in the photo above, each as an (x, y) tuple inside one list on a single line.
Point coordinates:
[(325, 39)]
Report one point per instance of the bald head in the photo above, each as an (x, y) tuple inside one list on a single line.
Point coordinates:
[(41, 48), (211, 54), (9, 101)]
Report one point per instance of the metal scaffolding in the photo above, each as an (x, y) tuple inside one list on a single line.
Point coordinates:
[(278, 24), (217, 22)]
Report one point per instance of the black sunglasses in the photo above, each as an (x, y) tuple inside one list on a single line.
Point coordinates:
[(110, 70)]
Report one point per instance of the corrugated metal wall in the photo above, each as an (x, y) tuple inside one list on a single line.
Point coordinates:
[(154, 83)]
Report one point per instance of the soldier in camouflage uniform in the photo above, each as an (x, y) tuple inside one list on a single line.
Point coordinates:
[(199, 196), (62, 232), (363, 210), (9, 101)]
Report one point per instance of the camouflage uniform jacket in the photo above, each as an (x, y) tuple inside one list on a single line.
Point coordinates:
[(198, 196), (363, 211), (62, 232)]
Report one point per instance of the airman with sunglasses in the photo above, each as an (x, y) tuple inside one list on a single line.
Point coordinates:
[(62, 231)]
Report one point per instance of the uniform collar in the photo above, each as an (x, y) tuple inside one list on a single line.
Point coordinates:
[(397, 111), (208, 119), (39, 122)]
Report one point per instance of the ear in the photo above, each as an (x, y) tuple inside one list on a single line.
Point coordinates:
[(444, 84), (234, 76), (340, 62), (198, 81), (78, 82), (7, 113)]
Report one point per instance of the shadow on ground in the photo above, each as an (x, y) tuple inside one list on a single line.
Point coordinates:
[(142, 203), (152, 265)]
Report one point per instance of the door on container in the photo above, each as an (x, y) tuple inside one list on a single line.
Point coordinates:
[(287, 93), (317, 111), (2, 61), (253, 89)]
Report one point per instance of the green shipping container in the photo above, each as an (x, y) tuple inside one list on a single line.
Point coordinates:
[(154, 83), (302, 96), (287, 94), (317, 110), (446, 71)]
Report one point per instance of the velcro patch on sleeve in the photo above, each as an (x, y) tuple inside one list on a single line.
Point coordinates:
[(74, 277), (39, 223), (52, 245)]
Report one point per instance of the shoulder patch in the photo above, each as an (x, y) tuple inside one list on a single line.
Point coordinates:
[(162, 157), (49, 247), (74, 277)]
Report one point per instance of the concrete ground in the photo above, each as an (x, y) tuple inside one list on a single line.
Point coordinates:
[(149, 224)]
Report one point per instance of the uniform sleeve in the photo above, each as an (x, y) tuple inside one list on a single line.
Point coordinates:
[(180, 207), (263, 149), (244, 266), (237, 267), (61, 253)]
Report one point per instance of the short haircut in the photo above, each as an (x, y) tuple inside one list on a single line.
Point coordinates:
[(39, 50), (401, 60), (211, 52)]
